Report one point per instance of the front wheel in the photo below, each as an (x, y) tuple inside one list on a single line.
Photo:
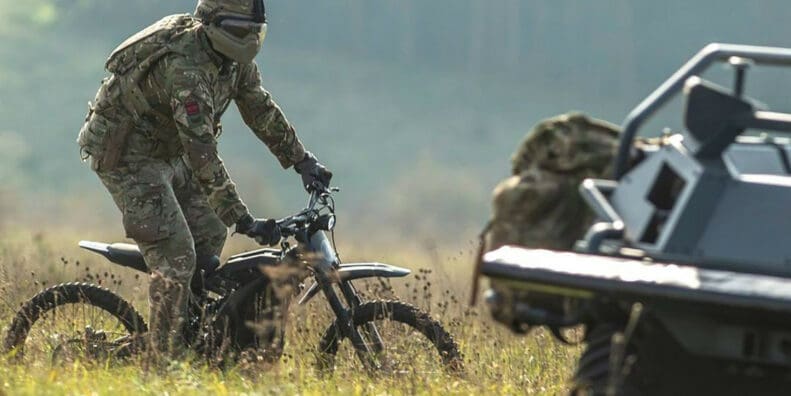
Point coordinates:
[(412, 341), (74, 321)]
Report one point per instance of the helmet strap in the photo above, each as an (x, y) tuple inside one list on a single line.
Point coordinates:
[(208, 17)]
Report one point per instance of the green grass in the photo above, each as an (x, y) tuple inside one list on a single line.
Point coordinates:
[(496, 362)]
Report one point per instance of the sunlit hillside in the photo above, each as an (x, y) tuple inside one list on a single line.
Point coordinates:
[(415, 105)]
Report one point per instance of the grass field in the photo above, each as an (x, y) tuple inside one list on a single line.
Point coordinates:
[(496, 362)]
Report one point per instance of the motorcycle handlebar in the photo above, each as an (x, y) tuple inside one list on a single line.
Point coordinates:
[(290, 225)]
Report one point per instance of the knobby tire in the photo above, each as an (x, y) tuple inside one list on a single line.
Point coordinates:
[(69, 293), (397, 311)]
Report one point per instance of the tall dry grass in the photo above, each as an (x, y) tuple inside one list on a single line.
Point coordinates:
[(496, 362)]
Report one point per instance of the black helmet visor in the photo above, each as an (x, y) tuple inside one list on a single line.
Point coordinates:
[(259, 11)]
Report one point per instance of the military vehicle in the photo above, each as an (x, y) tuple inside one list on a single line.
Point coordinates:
[(683, 286)]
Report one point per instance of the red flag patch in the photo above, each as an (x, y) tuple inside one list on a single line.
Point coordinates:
[(193, 108)]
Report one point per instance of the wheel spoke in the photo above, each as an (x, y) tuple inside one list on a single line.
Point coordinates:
[(72, 322)]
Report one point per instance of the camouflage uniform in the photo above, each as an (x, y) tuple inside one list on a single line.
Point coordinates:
[(540, 205), (151, 136)]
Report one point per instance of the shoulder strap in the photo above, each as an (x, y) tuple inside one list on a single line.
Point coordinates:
[(134, 58), (134, 49)]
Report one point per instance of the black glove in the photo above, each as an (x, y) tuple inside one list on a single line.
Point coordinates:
[(265, 232), (312, 171)]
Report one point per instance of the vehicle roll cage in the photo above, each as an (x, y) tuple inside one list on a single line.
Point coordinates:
[(740, 56)]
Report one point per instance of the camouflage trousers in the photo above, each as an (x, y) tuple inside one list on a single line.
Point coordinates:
[(168, 215)]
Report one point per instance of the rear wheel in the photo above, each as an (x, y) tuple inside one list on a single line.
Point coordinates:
[(74, 321), (412, 342)]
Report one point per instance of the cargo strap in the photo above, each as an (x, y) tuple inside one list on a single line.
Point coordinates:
[(114, 146), (132, 96), (476, 278), (134, 101)]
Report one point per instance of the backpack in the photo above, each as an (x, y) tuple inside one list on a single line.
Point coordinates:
[(539, 206), (133, 59), (102, 138)]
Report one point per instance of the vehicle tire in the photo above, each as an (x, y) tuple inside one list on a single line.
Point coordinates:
[(654, 363), (650, 363), (594, 374), (414, 325), (39, 328)]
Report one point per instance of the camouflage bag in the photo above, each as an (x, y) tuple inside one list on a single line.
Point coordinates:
[(539, 206), (108, 123)]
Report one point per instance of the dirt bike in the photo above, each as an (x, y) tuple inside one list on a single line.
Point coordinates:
[(235, 308)]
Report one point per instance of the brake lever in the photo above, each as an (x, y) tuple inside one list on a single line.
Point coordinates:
[(284, 246), (322, 190)]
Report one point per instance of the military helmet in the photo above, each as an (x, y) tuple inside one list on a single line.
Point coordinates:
[(236, 28)]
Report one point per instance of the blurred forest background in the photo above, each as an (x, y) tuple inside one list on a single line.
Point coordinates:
[(416, 105)]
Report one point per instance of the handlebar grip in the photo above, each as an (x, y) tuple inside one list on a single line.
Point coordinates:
[(317, 187)]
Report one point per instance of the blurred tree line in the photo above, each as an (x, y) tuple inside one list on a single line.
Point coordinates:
[(444, 88), (550, 37)]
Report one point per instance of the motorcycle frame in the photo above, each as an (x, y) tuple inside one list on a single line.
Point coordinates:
[(327, 272)]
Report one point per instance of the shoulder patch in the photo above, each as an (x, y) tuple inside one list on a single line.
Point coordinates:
[(192, 106)]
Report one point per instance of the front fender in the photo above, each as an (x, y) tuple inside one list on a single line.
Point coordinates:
[(349, 272)]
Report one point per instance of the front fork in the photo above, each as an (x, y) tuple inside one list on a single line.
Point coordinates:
[(346, 327), (326, 274), (354, 301)]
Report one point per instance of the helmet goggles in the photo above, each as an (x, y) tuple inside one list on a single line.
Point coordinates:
[(235, 28), (241, 27)]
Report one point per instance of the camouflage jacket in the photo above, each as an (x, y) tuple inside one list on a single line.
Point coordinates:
[(164, 99)]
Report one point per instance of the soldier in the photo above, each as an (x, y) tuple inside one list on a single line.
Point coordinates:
[(540, 206), (151, 136)]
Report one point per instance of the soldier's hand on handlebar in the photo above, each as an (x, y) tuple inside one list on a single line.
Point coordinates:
[(312, 172), (264, 231)]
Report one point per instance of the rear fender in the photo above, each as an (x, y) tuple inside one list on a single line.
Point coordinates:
[(350, 272), (97, 247), (122, 254)]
